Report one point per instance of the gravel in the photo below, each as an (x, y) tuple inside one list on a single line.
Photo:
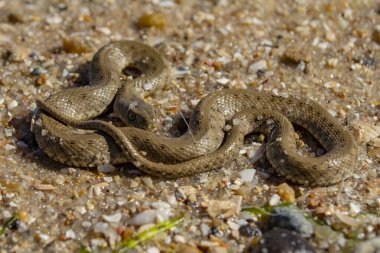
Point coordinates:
[(327, 51)]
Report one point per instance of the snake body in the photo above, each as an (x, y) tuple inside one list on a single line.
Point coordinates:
[(204, 146)]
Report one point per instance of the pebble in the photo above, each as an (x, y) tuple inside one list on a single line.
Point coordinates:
[(370, 246), (106, 168), (70, 234), (112, 218), (217, 249), (149, 216), (153, 250), (36, 71), (9, 147), (12, 104), (223, 80), (292, 219), (259, 65), (376, 34), (179, 239), (249, 230), (225, 208), (188, 192), (44, 187), (354, 208), (281, 241), (86, 224), (100, 227), (75, 45), (182, 248), (232, 225), (247, 175), (274, 200), (286, 193), (205, 229), (157, 20)]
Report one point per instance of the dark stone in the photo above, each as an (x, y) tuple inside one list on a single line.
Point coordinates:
[(249, 231), (216, 231), (260, 73), (292, 219), (36, 72), (369, 62), (281, 241)]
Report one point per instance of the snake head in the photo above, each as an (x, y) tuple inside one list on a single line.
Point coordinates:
[(136, 113)]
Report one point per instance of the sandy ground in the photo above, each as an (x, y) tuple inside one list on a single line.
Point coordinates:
[(326, 51)]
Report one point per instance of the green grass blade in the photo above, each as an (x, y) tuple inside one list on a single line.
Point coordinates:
[(149, 234)]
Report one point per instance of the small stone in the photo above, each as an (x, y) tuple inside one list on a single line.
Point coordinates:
[(223, 80), (332, 62), (347, 219), (42, 79), (225, 208), (112, 218), (148, 217), (75, 45), (274, 200), (54, 20), (247, 175), (153, 250), (370, 246), (44, 187), (217, 249), (106, 168), (157, 20), (292, 219), (70, 234), (12, 104), (148, 182), (9, 147), (205, 229), (100, 227), (286, 193), (259, 65), (179, 239), (368, 61), (182, 248), (188, 192), (36, 72), (104, 30), (294, 56), (232, 225), (18, 53), (60, 180), (15, 18), (376, 34), (354, 208), (86, 224), (330, 36), (249, 231)]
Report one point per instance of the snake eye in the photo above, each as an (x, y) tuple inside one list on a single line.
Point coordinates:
[(131, 116)]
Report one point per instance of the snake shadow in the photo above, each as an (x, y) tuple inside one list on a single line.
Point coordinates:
[(29, 149)]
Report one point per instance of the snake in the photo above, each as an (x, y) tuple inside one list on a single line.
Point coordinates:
[(66, 128)]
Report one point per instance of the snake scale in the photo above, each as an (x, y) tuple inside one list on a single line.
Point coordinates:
[(217, 125)]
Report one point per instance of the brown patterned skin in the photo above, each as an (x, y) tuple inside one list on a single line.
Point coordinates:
[(202, 148)]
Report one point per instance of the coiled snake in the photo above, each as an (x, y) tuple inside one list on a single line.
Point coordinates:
[(207, 145)]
